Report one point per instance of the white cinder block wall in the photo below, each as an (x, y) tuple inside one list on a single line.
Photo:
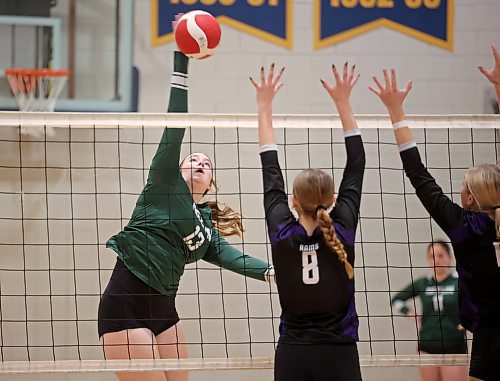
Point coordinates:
[(444, 82)]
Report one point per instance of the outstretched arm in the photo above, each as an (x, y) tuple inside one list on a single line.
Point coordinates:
[(349, 195), (165, 164), (223, 254), (340, 93), (275, 199), (266, 91), (446, 213), (393, 99), (493, 75)]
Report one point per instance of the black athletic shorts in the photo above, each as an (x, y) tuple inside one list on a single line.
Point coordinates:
[(460, 347), (129, 303), (485, 354), (317, 362)]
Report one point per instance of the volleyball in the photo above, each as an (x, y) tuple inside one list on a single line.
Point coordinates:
[(197, 34)]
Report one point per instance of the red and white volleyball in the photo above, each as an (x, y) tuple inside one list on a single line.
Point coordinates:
[(197, 34)]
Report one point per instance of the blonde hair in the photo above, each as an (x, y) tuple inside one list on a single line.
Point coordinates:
[(225, 219), (483, 182), (314, 190)]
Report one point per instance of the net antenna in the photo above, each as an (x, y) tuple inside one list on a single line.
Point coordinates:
[(36, 90)]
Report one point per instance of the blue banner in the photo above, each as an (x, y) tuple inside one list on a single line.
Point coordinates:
[(270, 20), (427, 20)]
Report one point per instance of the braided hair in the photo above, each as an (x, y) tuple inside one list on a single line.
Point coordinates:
[(314, 190), (326, 225)]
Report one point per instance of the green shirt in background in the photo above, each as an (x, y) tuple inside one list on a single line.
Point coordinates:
[(440, 322)]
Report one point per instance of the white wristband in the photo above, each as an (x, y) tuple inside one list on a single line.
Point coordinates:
[(270, 276), (407, 145), (268, 147), (400, 124)]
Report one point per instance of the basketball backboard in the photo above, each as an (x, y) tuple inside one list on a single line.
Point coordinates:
[(92, 39)]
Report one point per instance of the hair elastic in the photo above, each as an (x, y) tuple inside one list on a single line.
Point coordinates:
[(320, 207)]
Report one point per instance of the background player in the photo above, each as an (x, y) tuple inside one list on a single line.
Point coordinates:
[(439, 329)]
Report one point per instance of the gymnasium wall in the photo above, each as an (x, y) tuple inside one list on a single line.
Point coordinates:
[(445, 82)]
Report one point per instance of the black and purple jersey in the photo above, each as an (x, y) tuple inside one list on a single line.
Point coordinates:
[(472, 235), (316, 295)]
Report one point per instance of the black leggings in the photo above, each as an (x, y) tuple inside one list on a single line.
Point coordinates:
[(485, 354), (129, 303), (317, 362)]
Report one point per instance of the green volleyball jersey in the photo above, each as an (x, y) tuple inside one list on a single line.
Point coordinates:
[(168, 229), (440, 322)]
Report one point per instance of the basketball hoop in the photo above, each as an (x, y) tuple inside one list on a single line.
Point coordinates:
[(36, 90)]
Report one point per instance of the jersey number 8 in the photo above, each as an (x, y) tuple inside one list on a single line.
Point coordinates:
[(310, 270)]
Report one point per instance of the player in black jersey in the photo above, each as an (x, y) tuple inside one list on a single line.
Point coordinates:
[(314, 255), (493, 75), (472, 228), (439, 329)]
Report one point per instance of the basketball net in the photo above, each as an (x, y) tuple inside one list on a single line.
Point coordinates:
[(36, 90)]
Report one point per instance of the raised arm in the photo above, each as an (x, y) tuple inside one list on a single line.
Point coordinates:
[(266, 91), (393, 99), (493, 75), (349, 195), (446, 213), (223, 254), (340, 93), (165, 163), (275, 199)]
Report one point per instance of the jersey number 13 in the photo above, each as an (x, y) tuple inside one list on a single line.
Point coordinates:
[(310, 269)]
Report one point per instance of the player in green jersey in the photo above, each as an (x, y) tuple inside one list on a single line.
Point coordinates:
[(440, 331), (170, 227)]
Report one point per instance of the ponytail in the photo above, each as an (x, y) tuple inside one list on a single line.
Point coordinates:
[(483, 182), (326, 225), (226, 220), (314, 190)]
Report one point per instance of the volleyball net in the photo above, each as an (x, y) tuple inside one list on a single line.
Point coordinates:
[(63, 196)]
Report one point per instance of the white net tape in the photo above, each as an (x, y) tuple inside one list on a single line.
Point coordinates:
[(207, 364), (134, 120)]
